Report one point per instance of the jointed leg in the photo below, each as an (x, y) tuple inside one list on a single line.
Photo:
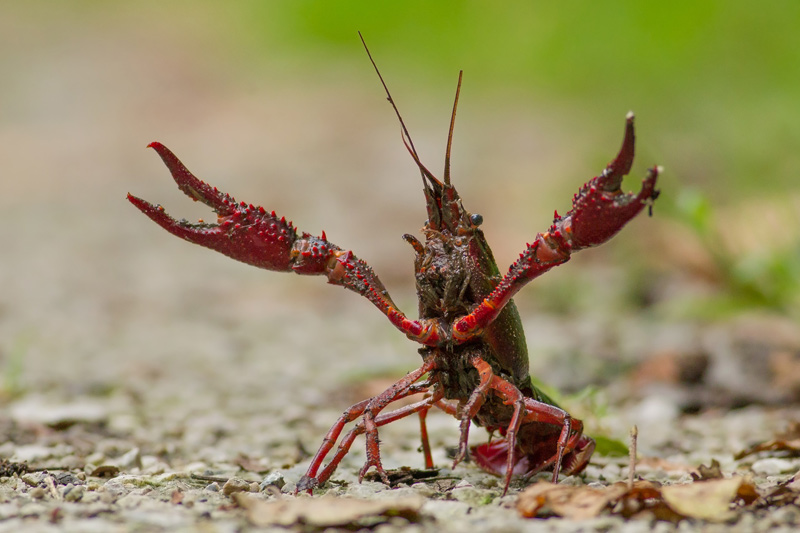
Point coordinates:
[(360, 428), (375, 406), (423, 433), (368, 408), (527, 411), (476, 400), (569, 439), (510, 395)]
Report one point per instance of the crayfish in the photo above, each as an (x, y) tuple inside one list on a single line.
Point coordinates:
[(474, 354)]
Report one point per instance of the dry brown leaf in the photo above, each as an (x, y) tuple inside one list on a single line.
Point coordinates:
[(785, 493), (640, 498), (747, 492), (327, 511), (564, 500), (787, 441), (705, 473), (579, 503), (641, 490), (532, 499), (706, 500)]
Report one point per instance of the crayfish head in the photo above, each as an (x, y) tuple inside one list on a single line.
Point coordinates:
[(446, 213)]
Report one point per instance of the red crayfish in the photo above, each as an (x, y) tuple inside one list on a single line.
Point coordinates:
[(475, 362)]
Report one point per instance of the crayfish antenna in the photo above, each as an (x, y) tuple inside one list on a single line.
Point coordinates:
[(433, 183), (450, 133)]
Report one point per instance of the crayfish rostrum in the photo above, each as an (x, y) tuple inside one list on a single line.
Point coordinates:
[(474, 355)]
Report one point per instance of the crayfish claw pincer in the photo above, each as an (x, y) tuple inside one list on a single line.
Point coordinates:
[(243, 231), (600, 209)]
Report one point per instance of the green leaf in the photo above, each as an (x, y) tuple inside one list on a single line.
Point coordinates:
[(610, 447)]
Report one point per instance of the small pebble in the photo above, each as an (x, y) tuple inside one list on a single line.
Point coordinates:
[(273, 478), (214, 487), (255, 487), (423, 489), (129, 460), (235, 484), (37, 493), (74, 494), (65, 478), (772, 466), (31, 480), (472, 496)]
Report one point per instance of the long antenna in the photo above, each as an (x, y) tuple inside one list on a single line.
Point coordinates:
[(450, 133), (423, 171)]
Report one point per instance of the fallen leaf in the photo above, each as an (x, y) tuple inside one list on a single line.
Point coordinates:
[(786, 441), (327, 511), (706, 500), (642, 497), (708, 472), (785, 493), (577, 503)]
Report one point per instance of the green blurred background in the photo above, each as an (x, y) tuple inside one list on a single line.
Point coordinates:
[(276, 102)]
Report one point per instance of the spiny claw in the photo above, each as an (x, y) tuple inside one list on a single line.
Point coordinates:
[(611, 178), (244, 232), (193, 187), (600, 208)]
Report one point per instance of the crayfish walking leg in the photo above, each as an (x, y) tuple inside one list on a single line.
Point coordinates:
[(527, 412), (344, 447), (369, 409)]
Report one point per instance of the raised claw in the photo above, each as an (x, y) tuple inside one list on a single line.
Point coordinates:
[(252, 235), (600, 209), (244, 232)]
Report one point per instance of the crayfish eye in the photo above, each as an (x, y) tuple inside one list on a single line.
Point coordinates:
[(476, 219)]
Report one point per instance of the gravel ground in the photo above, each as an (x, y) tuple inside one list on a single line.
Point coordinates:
[(151, 372), (137, 409)]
